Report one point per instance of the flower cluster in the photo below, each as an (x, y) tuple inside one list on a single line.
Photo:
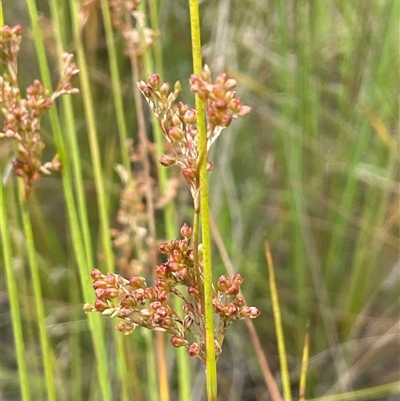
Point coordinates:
[(22, 120), (178, 121), (131, 238), (137, 304), (131, 24)]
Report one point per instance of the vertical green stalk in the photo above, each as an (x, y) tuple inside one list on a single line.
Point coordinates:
[(12, 291), (37, 293), (278, 327), (57, 8), (153, 62), (211, 366), (116, 84), (92, 134)]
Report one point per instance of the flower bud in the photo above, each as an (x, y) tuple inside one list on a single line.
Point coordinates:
[(176, 256), (189, 173), (237, 279), (218, 306), (139, 294), (111, 292), (193, 291), (99, 284), (110, 279), (250, 311), (149, 293), (190, 116), (176, 120), (230, 83), (182, 108), (177, 341), (223, 283), (162, 311), (193, 349), (165, 87), (221, 104), (154, 81), (167, 161), (157, 319), (186, 231), (127, 302), (183, 245), (101, 305), (162, 296), (231, 309), (173, 266), (96, 274), (165, 248), (176, 134), (120, 326), (233, 289), (160, 270), (137, 282), (235, 105), (239, 301), (155, 305), (226, 120)]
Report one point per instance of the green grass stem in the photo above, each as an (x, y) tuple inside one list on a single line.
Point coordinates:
[(287, 393), (116, 84), (37, 292), (211, 365), (13, 296), (372, 393)]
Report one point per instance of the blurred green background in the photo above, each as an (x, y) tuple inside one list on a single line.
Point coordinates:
[(314, 169)]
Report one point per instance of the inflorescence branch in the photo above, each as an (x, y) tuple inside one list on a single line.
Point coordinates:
[(22, 121)]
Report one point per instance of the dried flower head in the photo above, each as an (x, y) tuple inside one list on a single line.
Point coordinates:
[(22, 121), (138, 305), (178, 120)]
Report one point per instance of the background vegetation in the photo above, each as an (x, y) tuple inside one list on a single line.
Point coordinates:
[(313, 169)]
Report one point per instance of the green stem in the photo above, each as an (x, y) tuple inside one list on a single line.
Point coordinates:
[(12, 288), (278, 327), (12, 291), (116, 84), (37, 293), (211, 369)]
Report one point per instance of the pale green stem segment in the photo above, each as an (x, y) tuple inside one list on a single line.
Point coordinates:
[(37, 293), (12, 291), (116, 84), (371, 393), (278, 327), (211, 370)]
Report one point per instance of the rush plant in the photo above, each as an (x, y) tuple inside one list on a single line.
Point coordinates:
[(186, 273)]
